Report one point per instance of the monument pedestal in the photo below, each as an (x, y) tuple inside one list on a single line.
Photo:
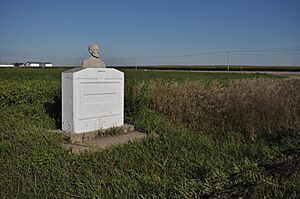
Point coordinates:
[(92, 99)]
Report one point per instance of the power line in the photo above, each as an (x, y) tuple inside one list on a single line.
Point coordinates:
[(227, 56), (186, 55), (267, 53), (232, 52), (266, 50)]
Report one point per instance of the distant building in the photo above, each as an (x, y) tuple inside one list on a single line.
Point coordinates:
[(19, 64), (38, 64), (7, 65)]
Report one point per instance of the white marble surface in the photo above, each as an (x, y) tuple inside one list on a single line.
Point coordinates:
[(92, 99)]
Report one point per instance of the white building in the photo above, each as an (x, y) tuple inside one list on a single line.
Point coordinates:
[(48, 64), (9, 65), (38, 64)]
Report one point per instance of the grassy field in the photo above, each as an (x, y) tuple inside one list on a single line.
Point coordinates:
[(219, 136), (219, 68)]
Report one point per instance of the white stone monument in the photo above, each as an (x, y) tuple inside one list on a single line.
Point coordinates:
[(92, 99)]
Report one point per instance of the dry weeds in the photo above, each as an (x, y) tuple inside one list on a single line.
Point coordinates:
[(245, 110)]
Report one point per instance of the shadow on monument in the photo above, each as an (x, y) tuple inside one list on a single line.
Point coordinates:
[(54, 111)]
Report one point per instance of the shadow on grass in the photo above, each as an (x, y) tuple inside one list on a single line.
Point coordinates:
[(54, 110)]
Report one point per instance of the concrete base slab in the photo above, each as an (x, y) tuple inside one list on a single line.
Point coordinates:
[(100, 139), (103, 142), (83, 137)]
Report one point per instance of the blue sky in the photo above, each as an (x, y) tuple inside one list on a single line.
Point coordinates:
[(60, 31)]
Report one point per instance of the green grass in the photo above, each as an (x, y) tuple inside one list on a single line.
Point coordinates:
[(174, 164)]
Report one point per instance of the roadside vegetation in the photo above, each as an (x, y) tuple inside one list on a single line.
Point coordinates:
[(210, 136)]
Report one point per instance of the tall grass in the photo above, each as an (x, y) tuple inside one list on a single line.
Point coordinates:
[(174, 163), (245, 109)]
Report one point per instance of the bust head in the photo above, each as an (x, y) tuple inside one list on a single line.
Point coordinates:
[(94, 50)]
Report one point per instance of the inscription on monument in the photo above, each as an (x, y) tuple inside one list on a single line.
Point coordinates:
[(92, 99)]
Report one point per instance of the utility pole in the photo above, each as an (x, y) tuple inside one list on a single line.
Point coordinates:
[(228, 53), (135, 63)]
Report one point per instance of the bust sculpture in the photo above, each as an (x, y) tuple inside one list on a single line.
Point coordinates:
[(93, 61)]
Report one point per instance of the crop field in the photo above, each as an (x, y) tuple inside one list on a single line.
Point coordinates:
[(210, 135), (219, 68)]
